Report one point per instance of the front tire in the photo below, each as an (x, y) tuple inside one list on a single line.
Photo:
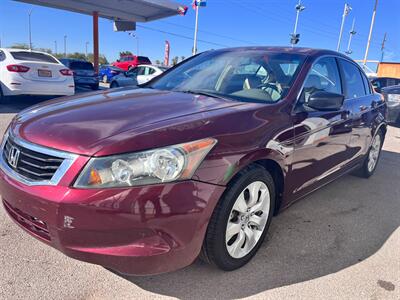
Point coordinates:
[(4, 99), (240, 220), (371, 161)]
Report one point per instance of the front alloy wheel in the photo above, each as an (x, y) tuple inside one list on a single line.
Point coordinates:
[(371, 160), (247, 219), (240, 220)]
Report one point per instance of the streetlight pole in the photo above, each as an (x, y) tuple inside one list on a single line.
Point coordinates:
[(346, 11), (30, 30), (352, 32), (370, 33), (132, 34), (196, 29), (86, 52), (65, 45), (295, 37), (383, 46)]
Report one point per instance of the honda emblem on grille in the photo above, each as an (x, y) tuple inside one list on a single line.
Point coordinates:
[(13, 156)]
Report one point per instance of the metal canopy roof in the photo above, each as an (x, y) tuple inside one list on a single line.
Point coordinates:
[(126, 10)]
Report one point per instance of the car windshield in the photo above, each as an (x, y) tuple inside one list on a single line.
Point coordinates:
[(33, 56), (251, 75), (81, 65)]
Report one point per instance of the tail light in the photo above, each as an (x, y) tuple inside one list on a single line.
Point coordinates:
[(66, 72), (18, 68)]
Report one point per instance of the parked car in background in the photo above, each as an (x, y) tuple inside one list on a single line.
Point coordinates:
[(392, 97), (381, 82), (25, 72), (127, 62), (84, 73), (197, 161), (107, 73), (138, 75)]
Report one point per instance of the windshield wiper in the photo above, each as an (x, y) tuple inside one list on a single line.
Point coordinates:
[(200, 92)]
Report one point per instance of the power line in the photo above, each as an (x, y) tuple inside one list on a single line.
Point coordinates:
[(210, 33), (181, 36)]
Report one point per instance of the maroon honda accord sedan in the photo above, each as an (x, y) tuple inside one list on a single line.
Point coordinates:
[(194, 163)]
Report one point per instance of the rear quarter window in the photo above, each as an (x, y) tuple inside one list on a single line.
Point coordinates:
[(144, 60), (33, 56)]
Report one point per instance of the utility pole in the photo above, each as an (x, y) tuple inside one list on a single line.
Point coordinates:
[(55, 47), (30, 29), (346, 11), (370, 33), (383, 46), (132, 34), (295, 37), (196, 27), (86, 52), (65, 45), (352, 32)]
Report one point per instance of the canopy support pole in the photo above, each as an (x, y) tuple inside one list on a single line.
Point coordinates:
[(96, 41)]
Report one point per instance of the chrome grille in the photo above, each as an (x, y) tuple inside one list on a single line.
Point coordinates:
[(30, 164)]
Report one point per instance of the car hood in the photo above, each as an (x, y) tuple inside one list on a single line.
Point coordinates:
[(82, 124)]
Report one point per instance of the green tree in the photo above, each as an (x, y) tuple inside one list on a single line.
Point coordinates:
[(123, 53), (158, 62), (20, 46), (183, 58), (175, 60)]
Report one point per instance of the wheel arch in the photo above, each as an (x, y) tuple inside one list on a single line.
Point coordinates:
[(274, 164)]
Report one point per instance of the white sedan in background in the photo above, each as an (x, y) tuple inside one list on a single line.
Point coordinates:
[(139, 75), (26, 72)]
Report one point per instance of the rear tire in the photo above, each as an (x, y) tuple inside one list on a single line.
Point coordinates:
[(94, 87), (114, 85), (240, 221), (372, 158)]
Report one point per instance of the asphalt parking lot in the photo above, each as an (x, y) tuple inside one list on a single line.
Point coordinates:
[(342, 242)]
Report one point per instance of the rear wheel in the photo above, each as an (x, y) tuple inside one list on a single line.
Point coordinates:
[(94, 87), (240, 220), (372, 158)]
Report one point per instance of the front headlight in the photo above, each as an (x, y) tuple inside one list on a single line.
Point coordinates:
[(178, 162), (393, 98)]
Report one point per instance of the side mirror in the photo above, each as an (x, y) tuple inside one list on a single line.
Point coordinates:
[(325, 101)]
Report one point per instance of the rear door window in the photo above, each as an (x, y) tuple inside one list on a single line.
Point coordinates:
[(323, 76), (352, 79), (33, 56)]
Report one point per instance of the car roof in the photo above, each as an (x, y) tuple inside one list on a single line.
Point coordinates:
[(24, 50), (279, 49)]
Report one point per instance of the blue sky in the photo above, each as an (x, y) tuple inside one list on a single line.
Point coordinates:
[(222, 23)]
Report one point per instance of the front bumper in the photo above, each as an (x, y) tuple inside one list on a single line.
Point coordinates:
[(84, 80), (141, 230)]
